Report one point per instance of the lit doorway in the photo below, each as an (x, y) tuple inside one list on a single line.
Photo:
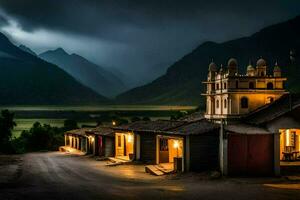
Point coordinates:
[(170, 151), (289, 145), (124, 146)]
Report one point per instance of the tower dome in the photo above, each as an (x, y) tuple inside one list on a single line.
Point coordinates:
[(232, 63), (232, 66), (261, 62), (250, 68), (212, 67), (276, 67), (276, 70)]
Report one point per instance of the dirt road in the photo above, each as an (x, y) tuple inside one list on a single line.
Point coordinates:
[(61, 176)]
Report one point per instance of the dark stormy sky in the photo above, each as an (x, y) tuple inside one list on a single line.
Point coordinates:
[(139, 38)]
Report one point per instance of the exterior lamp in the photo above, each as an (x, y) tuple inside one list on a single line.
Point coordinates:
[(114, 123), (129, 138), (176, 146)]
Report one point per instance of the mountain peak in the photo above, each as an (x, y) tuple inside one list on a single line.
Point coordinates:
[(60, 50)]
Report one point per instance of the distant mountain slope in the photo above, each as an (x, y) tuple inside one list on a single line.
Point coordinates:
[(182, 82), (88, 73), (28, 50), (26, 79)]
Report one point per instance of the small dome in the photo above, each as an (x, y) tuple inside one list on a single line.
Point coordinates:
[(212, 67), (276, 68), (250, 68), (232, 63), (261, 62)]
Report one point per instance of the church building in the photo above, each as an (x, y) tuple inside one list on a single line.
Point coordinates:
[(231, 94)]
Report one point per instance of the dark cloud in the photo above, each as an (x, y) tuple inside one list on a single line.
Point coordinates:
[(147, 33)]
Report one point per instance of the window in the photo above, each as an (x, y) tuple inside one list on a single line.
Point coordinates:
[(262, 73), (225, 103), (217, 104), (213, 87), (251, 85), (270, 86), (163, 144), (236, 84), (225, 86), (244, 102), (217, 86), (119, 141)]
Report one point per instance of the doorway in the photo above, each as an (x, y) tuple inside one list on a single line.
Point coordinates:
[(169, 150), (289, 151), (124, 146)]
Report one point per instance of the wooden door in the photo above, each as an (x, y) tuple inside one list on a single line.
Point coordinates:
[(163, 150), (100, 146), (260, 154), (119, 145), (250, 154), (237, 154)]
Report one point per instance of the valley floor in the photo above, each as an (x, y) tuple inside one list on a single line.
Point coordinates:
[(55, 175)]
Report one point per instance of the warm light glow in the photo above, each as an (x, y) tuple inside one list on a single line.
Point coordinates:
[(114, 123), (129, 138), (287, 137), (176, 144)]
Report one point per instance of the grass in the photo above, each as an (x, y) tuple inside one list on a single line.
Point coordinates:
[(26, 116), (98, 108)]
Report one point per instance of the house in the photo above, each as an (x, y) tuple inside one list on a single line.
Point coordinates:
[(97, 141), (258, 117), (282, 118), (77, 139), (193, 143)]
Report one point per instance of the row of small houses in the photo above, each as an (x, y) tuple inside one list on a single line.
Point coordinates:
[(249, 146)]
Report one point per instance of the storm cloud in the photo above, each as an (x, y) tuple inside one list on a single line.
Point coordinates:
[(138, 38)]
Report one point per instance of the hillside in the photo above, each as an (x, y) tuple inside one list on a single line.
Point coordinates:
[(86, 72), (26, 79), (182, 82), (26, 49)]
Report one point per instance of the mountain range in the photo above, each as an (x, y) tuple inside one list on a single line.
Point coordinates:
[(181, 84), (26, 79), (89, 74)]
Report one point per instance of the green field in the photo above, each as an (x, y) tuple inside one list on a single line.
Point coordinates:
[(26, 116), (26, 124), (99, 108)]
